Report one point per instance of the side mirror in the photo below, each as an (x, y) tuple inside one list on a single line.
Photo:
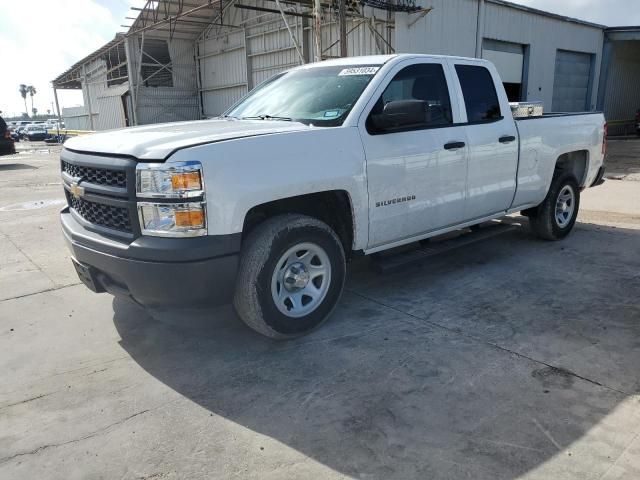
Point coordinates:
[(400, 114)]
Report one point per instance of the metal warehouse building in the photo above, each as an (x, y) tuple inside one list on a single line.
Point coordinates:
[(540, 56), (184, 60)]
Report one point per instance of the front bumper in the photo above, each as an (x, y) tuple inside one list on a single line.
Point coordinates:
[(156, 272)]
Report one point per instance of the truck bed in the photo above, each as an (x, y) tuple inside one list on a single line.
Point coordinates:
[(544, 139), (557, 114)]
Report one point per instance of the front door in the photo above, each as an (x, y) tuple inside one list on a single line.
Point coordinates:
[(416, 175)]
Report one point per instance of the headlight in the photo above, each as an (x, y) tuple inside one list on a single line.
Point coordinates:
[(173, 180), (173, 219)]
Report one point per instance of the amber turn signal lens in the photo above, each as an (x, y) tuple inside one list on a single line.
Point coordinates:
[(189, 218), (186, 181)]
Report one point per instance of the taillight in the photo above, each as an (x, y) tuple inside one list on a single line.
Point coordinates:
[(604, 138)]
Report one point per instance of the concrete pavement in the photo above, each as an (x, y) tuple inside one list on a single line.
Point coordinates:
[(513, 359)]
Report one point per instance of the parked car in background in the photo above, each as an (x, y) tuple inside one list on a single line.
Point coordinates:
[(35, 133), (13, 131)]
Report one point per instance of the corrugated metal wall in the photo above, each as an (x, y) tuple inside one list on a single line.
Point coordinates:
[(75, 118), (223, 69), (622, 98), (234, 60), (105, 101), (167, 104), (451, 29)]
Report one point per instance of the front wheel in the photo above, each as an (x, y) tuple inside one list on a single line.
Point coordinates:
[(291, 276), (555, 217)]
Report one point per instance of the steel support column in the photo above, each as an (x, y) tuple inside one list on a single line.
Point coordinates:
[(130, 72)]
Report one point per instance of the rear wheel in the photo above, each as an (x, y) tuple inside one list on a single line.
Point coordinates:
[(291, 276), (555, 217)]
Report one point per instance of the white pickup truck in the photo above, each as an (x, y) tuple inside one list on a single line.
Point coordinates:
[(265, 205)]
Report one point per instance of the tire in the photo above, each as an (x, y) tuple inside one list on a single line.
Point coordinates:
[(555, 217), (274, 255)]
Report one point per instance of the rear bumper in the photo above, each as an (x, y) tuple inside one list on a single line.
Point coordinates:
[(156, 272)]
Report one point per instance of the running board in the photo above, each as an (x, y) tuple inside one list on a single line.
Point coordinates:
[(388, 262)]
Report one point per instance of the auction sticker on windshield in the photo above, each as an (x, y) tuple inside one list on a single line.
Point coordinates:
[(359, 71)]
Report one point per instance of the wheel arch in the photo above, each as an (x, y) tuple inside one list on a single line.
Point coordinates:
[(577, 162), (333, 207)]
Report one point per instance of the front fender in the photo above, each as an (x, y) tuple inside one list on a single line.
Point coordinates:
[(243, 173)]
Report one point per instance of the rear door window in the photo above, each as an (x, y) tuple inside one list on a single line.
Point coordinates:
[(479, 92)]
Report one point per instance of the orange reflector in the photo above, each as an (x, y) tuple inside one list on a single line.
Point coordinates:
[(186, 181), (190, 218)]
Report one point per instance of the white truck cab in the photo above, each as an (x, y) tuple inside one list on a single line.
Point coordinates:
[(265, 205)]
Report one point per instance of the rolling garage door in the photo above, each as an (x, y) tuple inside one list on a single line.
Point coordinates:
[(509, 61), (572, 81)]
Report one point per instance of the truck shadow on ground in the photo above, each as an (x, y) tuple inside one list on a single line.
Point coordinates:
[(16, 166), (484, 363)]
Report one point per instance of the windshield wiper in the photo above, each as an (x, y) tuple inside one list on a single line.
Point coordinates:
[(267, 117)]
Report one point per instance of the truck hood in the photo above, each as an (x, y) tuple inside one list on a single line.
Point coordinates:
[(157, 142)]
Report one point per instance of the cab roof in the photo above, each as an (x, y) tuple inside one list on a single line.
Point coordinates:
[(379, 59)]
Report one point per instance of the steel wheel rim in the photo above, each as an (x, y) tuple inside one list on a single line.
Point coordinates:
[(301, 279), (565, 206)]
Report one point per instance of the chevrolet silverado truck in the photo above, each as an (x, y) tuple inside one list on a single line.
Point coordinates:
[(265, 205)]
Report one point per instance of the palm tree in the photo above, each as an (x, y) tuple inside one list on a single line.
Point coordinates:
[(23, 92), (35, 111), (32, 91)]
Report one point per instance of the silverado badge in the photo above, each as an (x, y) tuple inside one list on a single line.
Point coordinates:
[(393, 201)]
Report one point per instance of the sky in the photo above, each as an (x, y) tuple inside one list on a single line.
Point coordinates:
[(42, 38)]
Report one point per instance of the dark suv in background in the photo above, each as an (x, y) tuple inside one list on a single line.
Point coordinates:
[(7, 145)]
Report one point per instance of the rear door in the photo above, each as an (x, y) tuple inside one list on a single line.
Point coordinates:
[(492, 140), (416, 176)]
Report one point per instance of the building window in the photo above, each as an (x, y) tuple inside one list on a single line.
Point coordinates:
[(156, 69), (479, 92)]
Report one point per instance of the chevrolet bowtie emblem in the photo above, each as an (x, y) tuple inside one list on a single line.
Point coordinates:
[(76, 190)]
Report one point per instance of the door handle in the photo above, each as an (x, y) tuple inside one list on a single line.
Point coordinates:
[(507, 139), (454, 145)]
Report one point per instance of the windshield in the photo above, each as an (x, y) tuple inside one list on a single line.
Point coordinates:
[(322, 96)]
